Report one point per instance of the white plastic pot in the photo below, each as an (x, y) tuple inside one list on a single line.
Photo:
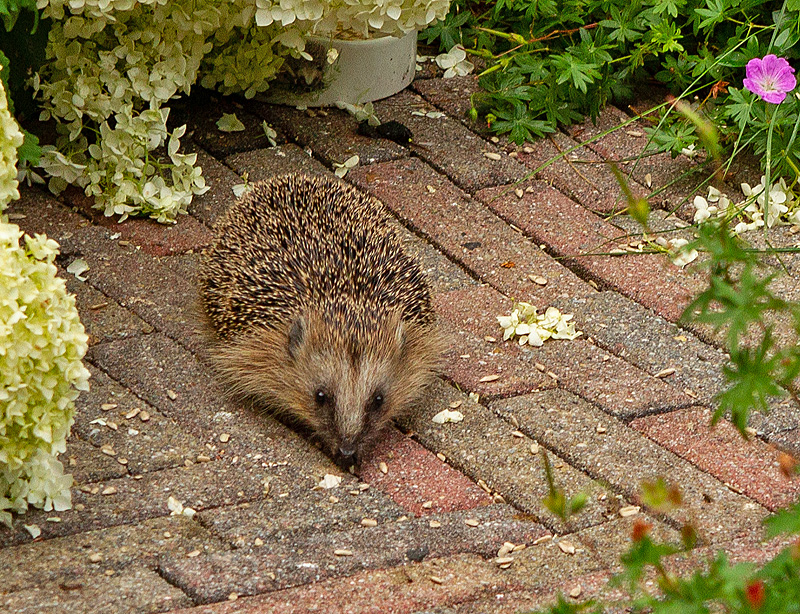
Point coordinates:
[(363, 71)]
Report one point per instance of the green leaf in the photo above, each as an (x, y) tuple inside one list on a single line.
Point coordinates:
[(29, 151), (570, 68), (520, 125), (785, 521)]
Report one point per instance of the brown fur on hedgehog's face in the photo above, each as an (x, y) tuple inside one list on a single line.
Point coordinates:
[(345, 382)]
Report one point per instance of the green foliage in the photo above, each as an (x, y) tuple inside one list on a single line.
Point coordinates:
[(551, 63)]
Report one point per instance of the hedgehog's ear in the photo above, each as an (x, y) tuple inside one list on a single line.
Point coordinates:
[(296, 335)]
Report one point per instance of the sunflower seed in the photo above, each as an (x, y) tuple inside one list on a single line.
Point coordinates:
[(665, 372), (542, 539), (601, 429), (107, 406), (455, 404), (436, 579), (504, 560), (505, 549), (472, 522), (489, 339), (489, 378), (383, 467), (110, 490), (225, 437), (193, 554), (492, 155), (341, 552), (519, 192), (576, 592), (369, 522), (434, 524), (629, 510)]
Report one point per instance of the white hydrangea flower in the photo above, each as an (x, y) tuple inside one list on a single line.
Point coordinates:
[(11, 139), (533, 328), (454, 62), (679, 254), (42, 343)]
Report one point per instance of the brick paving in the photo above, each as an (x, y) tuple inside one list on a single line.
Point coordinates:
[(603, 408)]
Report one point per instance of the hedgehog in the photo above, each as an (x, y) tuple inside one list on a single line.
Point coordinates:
[(317, 313)]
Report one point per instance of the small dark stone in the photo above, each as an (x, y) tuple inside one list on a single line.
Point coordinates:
[(471, 244), (417, 554)]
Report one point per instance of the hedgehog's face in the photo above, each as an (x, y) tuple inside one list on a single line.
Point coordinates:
[(351, 383)]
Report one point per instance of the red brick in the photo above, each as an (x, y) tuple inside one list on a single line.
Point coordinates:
[(153, 238), (415, 475), (452, 96), (749, 467), (466, 317), (220, 180), (581, 174), (467, 231), (449, 146), (676, 178), (392, 591), (582, 368), (37, 212), (262, 164), (330, 133), (575, 234)]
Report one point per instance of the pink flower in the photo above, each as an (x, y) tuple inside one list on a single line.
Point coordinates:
[(770, 78)]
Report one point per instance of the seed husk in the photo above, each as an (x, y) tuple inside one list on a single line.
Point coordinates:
[(342, 552), (456, 404), (601, 429), (518, 434), (492, 155), (383, 467), (132, 413), (192, 554), (225, 437), (110, 490), (369, 522), (665, 372), (576, 592), (542, 539), (505, 549), (629, 510), (434, 524), (566, 547), (436, 579), (95, 557), (472, 522), (107, 406), (489, 339), (441, 456), (502, 560), (258, 542), (172, 394), (144, 416), (490, 378), (427, 505), (519, 192)]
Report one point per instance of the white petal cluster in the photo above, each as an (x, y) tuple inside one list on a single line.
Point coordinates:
[(10, 140), (42, 343), (113, 65), (454, 62), (783, 206), (533, 328), (680, 254)]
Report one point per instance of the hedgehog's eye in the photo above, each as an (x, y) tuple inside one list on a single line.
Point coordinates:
[(320, 397), (377, 401)]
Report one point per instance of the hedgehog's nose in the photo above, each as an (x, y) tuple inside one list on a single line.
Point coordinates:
[(347, 451)]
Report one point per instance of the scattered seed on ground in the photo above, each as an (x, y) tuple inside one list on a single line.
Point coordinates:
[(576, 592), (383, 467), (108, 406), (665, 372), (427, 505), (566, 547), (144, 416), (629, 510), (95, 557), (193, 554), (369, 522), (434, 524), (492, 155), (110, 490), (472, 522), (542, 539), (436, 579), (342, 552)]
